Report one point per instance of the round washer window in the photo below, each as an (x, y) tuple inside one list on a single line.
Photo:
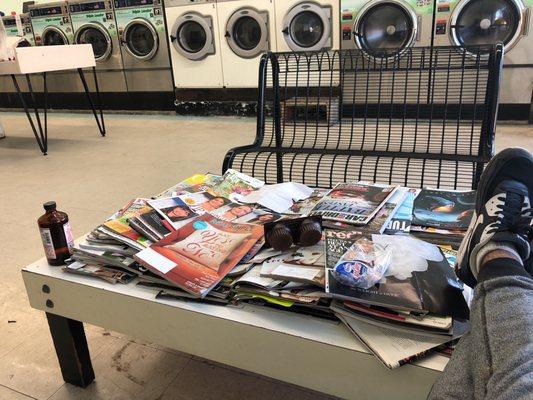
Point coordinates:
[(487, 22), (306, 29), (385, 29), (140, 40), (192, 36), (96, 38), (247, 33), (53, 38)]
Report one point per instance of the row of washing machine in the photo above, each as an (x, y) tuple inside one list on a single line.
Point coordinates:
[(218, 43), (128, 37)]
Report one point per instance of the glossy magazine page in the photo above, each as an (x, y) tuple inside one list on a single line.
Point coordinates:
[(200, 254)]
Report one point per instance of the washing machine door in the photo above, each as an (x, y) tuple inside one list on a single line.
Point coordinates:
[(307, 27), (53, 36), (140, 39), (97, 36), (481, 22), (192, 36), (385, 28), (247, 32)]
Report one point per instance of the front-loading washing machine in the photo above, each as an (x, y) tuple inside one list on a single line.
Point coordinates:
[(93, 22), (383, 28), (143, 37), (52, 27), (246, 30), (195, 43), (25, 19), (307, 25), (478, 22)]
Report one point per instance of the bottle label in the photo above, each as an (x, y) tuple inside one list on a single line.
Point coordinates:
[(46, 237), (68, 236)]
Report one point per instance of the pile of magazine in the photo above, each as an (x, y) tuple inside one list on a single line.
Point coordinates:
[(203, 240)]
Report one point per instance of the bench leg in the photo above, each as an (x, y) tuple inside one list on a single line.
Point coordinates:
[(72, 350)]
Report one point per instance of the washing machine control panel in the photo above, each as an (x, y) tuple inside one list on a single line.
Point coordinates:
[(47, 11), (135, 3)]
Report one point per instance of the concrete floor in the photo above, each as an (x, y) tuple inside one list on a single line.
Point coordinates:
[(90, 177)]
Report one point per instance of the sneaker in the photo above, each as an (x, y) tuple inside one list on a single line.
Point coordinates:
[(502, 212)]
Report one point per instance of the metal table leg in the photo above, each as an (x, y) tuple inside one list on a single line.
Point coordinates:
[(40, 130), (72, 350), (100, 115)]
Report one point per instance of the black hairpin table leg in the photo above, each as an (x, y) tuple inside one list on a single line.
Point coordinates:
[(99, 116), (40, 130), (72, 351)]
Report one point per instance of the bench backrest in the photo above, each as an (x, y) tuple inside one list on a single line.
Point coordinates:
[(425, 117)]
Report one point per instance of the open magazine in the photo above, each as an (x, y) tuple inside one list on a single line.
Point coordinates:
[(354, 203), (419, 278), (200, 254)]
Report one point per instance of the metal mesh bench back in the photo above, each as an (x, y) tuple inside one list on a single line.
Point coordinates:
[(425, 117)]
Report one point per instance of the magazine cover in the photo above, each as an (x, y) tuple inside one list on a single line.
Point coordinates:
[(233, 211), (444, 209), (419, 278), (200, 254), (354, 203), (195, 183), (203, 202), (402, 218), (381, 220), (235, 185), (174, 210), (120, 226)]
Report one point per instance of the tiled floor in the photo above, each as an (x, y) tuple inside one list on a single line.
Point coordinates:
[(90, 177)]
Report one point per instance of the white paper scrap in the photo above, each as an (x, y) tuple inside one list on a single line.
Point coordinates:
[(279, 197)]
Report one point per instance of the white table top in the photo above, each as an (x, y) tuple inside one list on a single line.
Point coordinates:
[(274, 342), (30, 60)]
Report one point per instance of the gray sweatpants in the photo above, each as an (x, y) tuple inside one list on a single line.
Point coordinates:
[(495, 359)]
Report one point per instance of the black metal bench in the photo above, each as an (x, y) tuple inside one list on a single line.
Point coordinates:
[(424, 117)]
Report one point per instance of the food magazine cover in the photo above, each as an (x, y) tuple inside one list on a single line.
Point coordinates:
[(200, 254), (444, 209), (235, 185), (354, 203), (419, 278)]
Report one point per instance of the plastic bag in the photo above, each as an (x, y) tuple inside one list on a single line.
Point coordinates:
[(364, 264)]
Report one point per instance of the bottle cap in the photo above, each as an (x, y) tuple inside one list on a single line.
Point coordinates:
[(279, 237), (310, 233), (50, 205)]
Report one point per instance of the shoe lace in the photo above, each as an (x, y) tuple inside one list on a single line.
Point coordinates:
[(513, 217)]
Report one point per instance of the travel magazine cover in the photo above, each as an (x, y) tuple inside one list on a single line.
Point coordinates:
[(353, 203), (419, 278), (443, 209), (235, 185), (200, 254)]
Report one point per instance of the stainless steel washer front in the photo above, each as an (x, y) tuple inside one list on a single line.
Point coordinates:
[(192, 36), (96, 35), (53, 36), (307, 27), (247, 32), (385, 28), (479, 22), (140, 39)]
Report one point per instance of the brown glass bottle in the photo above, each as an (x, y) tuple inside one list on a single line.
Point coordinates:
[(56, 234)]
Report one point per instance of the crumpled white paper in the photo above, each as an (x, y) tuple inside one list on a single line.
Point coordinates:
[(279, 197)]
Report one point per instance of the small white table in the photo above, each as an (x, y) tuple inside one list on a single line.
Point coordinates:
[(40, 60), (311, 352)]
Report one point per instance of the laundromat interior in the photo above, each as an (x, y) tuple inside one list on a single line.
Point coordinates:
[(104, 102)]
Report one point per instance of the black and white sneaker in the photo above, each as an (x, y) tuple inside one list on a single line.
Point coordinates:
[(503, 213)]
